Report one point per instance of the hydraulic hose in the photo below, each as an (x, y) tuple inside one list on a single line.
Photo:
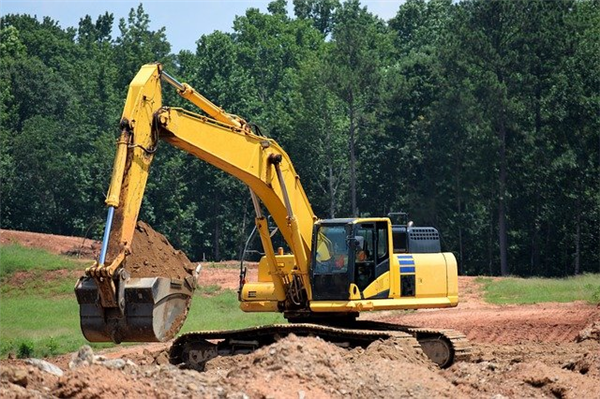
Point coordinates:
[(109, 220)]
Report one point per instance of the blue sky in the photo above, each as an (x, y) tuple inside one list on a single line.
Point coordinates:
[(185, 21)]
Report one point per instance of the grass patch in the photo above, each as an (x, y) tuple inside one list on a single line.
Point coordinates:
[(217, 265), (15, 257), (36, 326), (208, 290), (39, 315), (41, 284), (222, 311), (514, 290)]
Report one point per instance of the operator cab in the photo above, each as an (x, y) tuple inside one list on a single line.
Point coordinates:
[(348, 251)]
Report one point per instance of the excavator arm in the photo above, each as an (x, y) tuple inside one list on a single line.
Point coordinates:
[(115, 307)]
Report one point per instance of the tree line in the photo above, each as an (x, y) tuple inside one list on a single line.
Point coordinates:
[(481, 118)]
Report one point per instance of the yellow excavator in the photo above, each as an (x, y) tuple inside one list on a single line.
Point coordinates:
[(335, 268)]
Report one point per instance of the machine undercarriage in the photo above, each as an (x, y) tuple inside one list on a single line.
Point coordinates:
[(192, 350)]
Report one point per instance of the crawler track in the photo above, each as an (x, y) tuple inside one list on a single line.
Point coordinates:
[(194, 349), (431, 340)]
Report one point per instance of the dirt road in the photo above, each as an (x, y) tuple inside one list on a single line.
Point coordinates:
[(526, 351)]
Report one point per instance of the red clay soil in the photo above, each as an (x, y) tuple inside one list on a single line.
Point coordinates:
[(510, 325), (63, 245), (527, 351), (226, 275), (153, 256)]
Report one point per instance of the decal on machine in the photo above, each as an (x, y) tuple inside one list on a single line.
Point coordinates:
[(407, 263), (407, 275)]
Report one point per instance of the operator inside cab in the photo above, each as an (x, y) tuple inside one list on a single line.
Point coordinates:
[(361, 251), (332, 256)]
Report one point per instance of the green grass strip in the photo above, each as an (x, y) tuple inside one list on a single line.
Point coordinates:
[(38, 327), (222, 311), (39, 314), (15, 257), (513, 290)]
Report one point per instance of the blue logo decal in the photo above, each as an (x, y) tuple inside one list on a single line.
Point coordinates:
[(407, 263)]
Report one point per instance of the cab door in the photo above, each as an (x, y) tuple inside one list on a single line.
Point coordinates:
[(372, 262)]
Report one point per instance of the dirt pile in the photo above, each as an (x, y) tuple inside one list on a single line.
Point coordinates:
[(294, 367), (153, 256), (150, 254), (520, 380), (308, 367)]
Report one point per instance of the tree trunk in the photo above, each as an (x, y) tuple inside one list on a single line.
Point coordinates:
[(242, 238), (491, 243), (353, 162), (217, 251), (331, 192), (331, 176), (217, 230), (576, 261), (502, 239), (534, 261), (460, 220)]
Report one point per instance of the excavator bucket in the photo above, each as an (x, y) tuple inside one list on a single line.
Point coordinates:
[(153, 309)]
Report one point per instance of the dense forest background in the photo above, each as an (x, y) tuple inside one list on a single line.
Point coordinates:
[(481, 118)]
